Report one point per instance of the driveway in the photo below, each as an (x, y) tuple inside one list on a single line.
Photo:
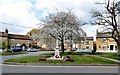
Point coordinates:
[(3, 58)]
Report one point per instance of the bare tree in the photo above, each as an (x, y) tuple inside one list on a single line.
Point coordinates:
[(46, 39), (42, 38), (59, 24), (108, 19)]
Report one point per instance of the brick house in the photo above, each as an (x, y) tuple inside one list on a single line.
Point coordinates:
[(105, 42), (87, 43), (15, 39)]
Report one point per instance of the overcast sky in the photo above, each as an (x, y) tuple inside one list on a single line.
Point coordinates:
[(26, 13)]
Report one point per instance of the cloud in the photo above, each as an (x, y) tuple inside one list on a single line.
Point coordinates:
[(80, 7), (16, 12), (24, 12)]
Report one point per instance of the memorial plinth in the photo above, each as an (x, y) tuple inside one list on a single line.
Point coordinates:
[(57, 55)]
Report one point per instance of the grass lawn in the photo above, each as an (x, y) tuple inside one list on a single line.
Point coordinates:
[(10, 53), (112, 55), (77, 60), (66, 53)]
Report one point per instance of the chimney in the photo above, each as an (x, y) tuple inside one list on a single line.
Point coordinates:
[(6, 31)]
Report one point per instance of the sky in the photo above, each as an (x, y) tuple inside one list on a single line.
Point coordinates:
[(20, 16)]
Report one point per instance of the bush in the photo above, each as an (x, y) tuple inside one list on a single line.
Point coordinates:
[(48, 56), (67, 56), (69, 60), (119, 55), (116, 54), (69, 52), (42, 59)]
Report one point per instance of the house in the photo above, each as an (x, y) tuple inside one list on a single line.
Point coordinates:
[(12, 40), (87, 43), (105, 43)]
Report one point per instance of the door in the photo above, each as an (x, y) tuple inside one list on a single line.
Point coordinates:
[(111, 47)]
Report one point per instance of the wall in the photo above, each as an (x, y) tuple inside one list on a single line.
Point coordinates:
[(109, 41), (83, 45), (13, 42)]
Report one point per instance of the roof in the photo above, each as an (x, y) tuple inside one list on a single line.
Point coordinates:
[(104, 35), (15, 36), (89, 38), (3, 34)]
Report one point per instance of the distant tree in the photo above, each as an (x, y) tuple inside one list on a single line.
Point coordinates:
[(42, 38), (3, 44), (108, 19), (60, 24), (34, 33)]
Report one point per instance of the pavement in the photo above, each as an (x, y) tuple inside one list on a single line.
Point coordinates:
[(58, 69)]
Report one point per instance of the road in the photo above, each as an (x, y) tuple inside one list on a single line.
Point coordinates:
[(58, 69), (3, 58)]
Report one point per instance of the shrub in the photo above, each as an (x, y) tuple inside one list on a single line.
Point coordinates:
[(48, 56), (42, 59), (119, 55), (116, 54), (69, 60), (67, 56), (69, 52)]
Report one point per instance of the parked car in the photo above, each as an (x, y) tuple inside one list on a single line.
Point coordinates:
[(1, 50), (16, 49), (74, 49), (32, 50)]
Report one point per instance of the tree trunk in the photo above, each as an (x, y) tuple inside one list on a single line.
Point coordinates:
[(62, 46), (118, 47)]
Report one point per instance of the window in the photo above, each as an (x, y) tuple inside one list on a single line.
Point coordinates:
[(115, 47), (28, 41), (82, 42), (87, 42), (104, 40), (87, 47), (104, 47), (12, 40)]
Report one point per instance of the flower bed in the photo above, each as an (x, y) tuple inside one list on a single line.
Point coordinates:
[(42, 59)]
